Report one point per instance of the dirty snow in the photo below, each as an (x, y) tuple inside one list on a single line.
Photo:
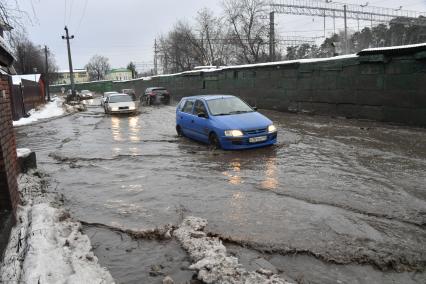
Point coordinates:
[(23, 152), (51, 109), (211, 260), (46, 246)]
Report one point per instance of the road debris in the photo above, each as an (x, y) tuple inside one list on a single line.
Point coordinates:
[(211, 260)]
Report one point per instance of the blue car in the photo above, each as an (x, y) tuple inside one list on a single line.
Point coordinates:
[(224, 121)]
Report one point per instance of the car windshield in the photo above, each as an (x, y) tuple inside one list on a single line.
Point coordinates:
[(85, 91), (227, 106), (120, 99)]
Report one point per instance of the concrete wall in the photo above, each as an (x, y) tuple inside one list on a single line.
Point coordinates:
[(385, 88), (9, 196)]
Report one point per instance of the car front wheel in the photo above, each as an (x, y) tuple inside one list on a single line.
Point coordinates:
[(214, 141)]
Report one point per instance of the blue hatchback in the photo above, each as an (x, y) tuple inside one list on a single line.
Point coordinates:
[(224, 121)]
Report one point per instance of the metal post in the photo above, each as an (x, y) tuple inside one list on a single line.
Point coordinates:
[(346, 31), (272, 36), (67, 37), (155, 58), (46, 73), (324, 24)]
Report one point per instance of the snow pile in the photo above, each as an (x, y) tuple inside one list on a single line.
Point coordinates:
[(51, 109), (211, 261), (23, 152), (46, 246)]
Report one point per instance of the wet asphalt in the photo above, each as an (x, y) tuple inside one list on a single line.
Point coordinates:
[(335, 201)]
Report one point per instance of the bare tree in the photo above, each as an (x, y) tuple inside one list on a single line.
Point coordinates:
[(98, 67), (30, 58), (249, 28), (212, 39)]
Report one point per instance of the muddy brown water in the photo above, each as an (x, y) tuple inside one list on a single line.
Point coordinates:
[(335, 201)]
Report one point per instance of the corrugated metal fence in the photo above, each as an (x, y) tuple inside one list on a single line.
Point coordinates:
[(26, 96)]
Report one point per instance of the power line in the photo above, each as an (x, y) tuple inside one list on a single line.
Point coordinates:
[(82, 16)]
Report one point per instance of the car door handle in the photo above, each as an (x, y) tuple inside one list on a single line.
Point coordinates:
[(192, 121)]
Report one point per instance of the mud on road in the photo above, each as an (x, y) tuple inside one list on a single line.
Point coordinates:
[(335, 200)]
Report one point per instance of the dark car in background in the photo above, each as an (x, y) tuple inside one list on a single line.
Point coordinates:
[(85, 95), (155, 95), (129, 92)]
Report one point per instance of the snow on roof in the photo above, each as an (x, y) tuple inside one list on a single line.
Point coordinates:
[(410, 48), (395, 47), (267, 64), (74, 71), (17, 79)]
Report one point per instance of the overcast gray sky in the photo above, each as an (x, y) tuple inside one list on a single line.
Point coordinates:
[(124, 30)]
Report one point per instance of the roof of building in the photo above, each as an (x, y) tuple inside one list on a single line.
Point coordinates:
[(119, 70), (74, 71), (17, 79)]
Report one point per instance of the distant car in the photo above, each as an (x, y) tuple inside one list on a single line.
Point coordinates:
[(69, 94), (224, 121), (120, 103), (156, 95), (85, 95), (105, 95), (130, 92)]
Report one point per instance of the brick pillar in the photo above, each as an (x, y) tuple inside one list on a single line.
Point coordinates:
[(9, 195)]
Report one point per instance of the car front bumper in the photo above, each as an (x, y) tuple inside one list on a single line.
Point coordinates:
[(239, 143), (123, 111)]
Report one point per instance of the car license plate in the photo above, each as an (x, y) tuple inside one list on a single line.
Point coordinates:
[(258, 139)]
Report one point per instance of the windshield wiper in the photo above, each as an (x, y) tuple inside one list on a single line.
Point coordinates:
[(223, 114), (240, 111)]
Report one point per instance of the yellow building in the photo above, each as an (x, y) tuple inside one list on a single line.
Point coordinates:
[(119, 74), (80, 76)]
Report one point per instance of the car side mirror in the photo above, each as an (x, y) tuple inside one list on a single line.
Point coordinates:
[(202, 114), (255, 108)]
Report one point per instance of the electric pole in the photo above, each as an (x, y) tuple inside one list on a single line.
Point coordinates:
[(346, 30), (272, 36), (155, 58), (67, 37), (46, 73)]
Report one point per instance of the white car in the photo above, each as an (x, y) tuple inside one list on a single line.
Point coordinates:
[(105, 96), (120, 103)]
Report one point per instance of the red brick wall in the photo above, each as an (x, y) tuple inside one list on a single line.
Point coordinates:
[(9, 196)]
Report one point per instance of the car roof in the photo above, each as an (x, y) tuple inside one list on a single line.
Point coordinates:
[(208, 97), (152, 88), (118, 95)]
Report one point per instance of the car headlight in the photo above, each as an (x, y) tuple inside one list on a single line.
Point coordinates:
[(272, 128), (132, 108), (233, 133), (114, 108)]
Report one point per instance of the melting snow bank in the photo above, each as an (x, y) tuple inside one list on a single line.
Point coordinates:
[(49, 110), (211, 261), (46, 246)]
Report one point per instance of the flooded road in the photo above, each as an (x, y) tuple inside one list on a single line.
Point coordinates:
[(335, 201)]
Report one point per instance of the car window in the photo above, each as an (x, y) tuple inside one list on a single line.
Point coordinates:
[(188, 107), (120, 99), (199, 107), (227, 106)]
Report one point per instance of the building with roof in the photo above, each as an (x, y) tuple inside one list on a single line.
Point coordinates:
[(119, 74), (80, 76)]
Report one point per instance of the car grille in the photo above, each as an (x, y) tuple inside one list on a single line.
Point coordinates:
[(255, 131), (120, 108)]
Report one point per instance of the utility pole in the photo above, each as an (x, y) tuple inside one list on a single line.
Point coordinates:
[(46, 73), (155, 58), (272, 36), (346, 30), (67, 37)]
